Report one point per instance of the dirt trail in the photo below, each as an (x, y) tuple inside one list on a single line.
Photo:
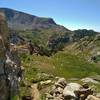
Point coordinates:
[(35, 92)]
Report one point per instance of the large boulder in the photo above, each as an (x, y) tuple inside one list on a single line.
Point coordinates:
[(69, 90)]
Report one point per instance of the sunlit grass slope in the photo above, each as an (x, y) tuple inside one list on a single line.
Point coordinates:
[(61, 64)]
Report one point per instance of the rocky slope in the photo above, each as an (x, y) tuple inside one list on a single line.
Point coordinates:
[(63, 90), (68, 63), (22, 21), (45, 32), (27, 27), (41, 30), (3, 37), (10, 70)]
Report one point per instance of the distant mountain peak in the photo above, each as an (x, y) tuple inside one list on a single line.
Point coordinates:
[(22, 21)]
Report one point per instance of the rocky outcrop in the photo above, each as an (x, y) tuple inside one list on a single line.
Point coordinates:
[(10, 70), (62, 90), (69, 90), (4, 89)]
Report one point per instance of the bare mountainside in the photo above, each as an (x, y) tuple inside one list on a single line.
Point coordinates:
[(22, 21)]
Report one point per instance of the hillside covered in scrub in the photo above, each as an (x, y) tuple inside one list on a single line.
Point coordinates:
[(48, 35), (47, 52)]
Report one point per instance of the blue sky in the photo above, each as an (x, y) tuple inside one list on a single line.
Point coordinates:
[(73, 14)]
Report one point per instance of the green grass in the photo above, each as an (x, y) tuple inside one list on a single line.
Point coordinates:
[(68, 66), (62, 64)]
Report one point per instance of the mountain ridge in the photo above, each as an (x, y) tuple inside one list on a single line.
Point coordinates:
[(18, 20), (44, 31)]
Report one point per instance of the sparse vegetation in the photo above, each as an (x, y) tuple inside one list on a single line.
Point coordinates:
[(62, 64)]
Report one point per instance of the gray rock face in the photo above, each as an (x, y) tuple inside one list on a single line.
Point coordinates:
[(3, 42), (22, 21), (9, 64)]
